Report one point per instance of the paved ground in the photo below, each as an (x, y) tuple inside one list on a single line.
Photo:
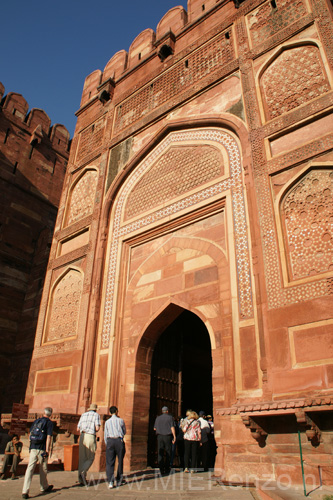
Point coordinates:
[(148, 485)]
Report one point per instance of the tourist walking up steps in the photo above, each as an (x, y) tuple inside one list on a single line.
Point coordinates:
[(88, 425), (114, 432), (40, 448)]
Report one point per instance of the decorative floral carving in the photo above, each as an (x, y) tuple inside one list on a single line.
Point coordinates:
[(265, 21), (82, 197), (295, 77), (307, 215), (178, 171), (64, 307)]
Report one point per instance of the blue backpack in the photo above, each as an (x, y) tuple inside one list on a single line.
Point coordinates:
[(38, 431)]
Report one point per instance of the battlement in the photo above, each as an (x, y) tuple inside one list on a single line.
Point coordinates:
[(34, 122), (173, 34), (191, 262), (34, 153), (33, 164)]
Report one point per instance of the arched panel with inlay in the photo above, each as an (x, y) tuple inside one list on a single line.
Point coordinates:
[(295, 76), (64, 307), (176, 172), (82, 197), (306, 212)]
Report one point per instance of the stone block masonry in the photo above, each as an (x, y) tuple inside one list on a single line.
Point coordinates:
[(192, 263), (33, 163)]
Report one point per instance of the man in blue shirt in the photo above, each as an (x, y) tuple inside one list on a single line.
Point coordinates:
[(114, 433), (39, 452)]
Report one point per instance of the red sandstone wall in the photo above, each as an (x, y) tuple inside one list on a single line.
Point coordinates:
[(33, 164), (260, 75)]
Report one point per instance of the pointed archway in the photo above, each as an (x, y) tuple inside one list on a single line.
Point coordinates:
[(174, 367)]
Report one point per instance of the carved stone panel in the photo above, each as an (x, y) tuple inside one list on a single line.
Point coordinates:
[(82, 197), (91, 138), (212, 141), (295, 77), (178, 171), (266, 20), (64, 308), (307, 216)]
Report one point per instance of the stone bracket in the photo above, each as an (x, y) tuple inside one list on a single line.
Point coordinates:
[(237, 3), (312, 431), (36, 136), (257, 432), (106, 90), (166, 45)]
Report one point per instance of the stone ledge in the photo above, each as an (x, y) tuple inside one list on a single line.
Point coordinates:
[(321, 403)]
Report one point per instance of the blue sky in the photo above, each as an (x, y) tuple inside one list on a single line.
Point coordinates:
[(49, 47)]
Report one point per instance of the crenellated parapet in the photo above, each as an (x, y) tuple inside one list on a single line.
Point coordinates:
[(15, 108), (33, 163), (35, 151), (156, 47)]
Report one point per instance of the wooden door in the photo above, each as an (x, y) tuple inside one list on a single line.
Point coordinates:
[(181, 373), (166, 382)]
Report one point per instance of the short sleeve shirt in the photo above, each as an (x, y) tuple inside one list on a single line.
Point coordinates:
[(114, 428), (49, 432), (10, 447), (88, 422), (205, 429), (163, 424)]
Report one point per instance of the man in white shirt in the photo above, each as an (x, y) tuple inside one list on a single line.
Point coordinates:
[(88, 425), (114, 432), (204, 445)]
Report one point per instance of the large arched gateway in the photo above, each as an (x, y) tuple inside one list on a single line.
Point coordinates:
[(178, 224), (179, 367)]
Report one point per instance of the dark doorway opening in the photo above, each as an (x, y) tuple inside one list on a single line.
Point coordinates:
[(181, 372)]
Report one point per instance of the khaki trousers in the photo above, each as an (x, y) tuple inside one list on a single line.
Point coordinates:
[(36, 456), (87, 450), (10, 460)]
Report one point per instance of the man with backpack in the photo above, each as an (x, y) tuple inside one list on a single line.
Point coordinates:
[(40, 447)]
